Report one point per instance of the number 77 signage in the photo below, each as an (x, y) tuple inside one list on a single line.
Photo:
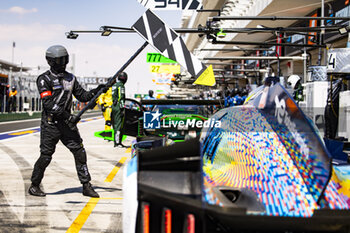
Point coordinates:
[(172, 4)]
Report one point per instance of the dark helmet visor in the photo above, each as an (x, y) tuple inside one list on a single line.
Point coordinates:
[(123, 77), (60, 60)]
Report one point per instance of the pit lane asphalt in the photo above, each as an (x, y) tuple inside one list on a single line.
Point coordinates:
[(64, 209), (30, 123)]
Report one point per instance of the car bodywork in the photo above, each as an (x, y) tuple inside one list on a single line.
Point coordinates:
[(266, 169)]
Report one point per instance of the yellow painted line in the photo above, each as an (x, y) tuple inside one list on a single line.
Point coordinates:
[(111, 175), (128, 150), (24, 132), (85, 213), (83, 216)]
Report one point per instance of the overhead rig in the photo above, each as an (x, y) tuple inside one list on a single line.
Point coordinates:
[(210, 32), (253, 58), (273, 18), (258, 51)]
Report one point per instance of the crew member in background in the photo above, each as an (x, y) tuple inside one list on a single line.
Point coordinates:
[(219, 96), (106, 102), (149, 97), (232, 101), (244, 95), (56, 87), (12, 99), (118, 97), (227, 98), (295, 82), (238, 97), (2, 96)]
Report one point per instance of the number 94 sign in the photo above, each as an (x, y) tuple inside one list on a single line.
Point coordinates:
[(172, 4)]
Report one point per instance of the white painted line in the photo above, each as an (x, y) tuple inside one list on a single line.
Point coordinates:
[(38, 127), (35, 119), (19, 121)]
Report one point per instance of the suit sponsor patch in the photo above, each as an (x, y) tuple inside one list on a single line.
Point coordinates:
[(45, 93)]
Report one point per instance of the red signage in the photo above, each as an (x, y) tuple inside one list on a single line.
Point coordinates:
[(312, 23), (279, 48)]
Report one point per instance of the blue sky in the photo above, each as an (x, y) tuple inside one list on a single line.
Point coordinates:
[(37, 24)]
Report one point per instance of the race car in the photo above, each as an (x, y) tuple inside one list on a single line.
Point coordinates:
[(178, 119), (169, 121), (265, 169)]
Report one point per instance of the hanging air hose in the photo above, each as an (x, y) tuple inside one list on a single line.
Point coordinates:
[(332, 109)]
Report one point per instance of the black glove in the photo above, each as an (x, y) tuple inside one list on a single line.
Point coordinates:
[(103, 107), (99, 87), (72, 121)]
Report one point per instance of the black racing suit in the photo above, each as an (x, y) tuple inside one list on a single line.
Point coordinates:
[(56, 92), (118, 111)]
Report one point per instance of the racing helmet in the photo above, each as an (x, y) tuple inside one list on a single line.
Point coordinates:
[(235, 92), (123, 77), (13, 88), (244, 92), (57, 57), (150, 93), (293, 80)]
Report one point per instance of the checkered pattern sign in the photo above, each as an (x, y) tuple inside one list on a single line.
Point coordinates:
[(170, 44)]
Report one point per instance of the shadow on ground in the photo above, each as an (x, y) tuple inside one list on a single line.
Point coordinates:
[(80, 190)]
